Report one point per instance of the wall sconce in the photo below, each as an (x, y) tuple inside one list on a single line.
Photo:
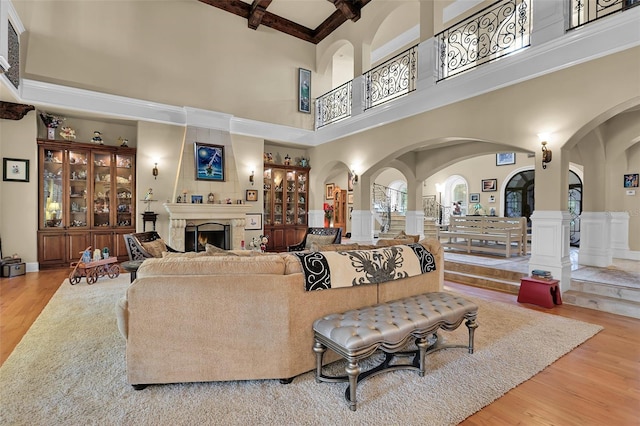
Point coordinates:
[(354, 177), (251, 176), (546, 154), (155, 171)]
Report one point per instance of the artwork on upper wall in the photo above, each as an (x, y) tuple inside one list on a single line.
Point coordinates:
[(489, 185), (505, 158), (209, 162), (631, 180), (14, 169), (474, 198), (328, 189), (304, 90)]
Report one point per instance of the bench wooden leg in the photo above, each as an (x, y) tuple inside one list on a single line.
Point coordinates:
[(319, 349), (422, 344), (353, 370), (471, 325)]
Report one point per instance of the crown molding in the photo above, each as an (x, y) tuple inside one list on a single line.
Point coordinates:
[(598, 39)]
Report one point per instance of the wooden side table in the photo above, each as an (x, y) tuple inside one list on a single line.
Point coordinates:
[(131, 266), (149, 217), (541, 292)]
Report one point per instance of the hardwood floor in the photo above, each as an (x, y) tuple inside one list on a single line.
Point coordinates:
[(598, 383)]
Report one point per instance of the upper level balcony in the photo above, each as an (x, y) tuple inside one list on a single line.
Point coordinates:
[(528, 29)]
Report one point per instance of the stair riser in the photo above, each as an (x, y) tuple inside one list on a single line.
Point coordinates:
[(483, 271), (594, 302), (616, 292), (482, 282)]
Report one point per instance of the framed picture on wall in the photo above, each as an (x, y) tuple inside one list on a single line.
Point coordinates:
[(304, 90), (489, 185), (328, 191), (505, 158), (631, 180), (474, 198), (15, 170), (209, 162), (253, 222), (252, 195)]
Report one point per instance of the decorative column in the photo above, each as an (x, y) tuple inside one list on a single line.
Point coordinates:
[(595, 239), (362, 226), (415, 223), (620, 236), (550, 245)]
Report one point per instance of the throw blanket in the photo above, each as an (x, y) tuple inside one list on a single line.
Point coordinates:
[(324, 270)]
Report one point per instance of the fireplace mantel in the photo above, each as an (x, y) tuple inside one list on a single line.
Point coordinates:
[(206, 211), (180, 213)]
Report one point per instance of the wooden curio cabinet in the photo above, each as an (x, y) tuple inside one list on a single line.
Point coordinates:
[(86, 198), (285, 205)]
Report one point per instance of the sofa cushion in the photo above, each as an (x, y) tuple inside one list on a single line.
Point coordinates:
[(333, 247), (155, 247), (319, 239), (213, 265)]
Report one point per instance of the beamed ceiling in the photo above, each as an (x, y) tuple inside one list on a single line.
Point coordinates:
[(308, 20)]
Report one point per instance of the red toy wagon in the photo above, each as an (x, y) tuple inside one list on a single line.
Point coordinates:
[(94, 269)]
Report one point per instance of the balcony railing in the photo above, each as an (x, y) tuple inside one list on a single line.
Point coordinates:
[(334, 105), (394, 78), (499, 29), (585, 11)]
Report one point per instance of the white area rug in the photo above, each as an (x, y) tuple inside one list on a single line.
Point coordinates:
[(70, 369)]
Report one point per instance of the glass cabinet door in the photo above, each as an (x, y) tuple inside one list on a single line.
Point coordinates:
[(124, 190), (302, 201), (52, 203), (101, 189), (78, 176), (291, 198), (268, 200), (278, 196)]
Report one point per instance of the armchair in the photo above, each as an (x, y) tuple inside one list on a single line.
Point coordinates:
[(154, 245), (319, 235)]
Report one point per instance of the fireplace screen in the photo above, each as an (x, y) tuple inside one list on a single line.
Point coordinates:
[(196, 237)]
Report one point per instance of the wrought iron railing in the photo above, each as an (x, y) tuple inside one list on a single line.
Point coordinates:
[(381, 203), (391, 79), (585, 11), (496, 31), (334, 105), (432, 208)]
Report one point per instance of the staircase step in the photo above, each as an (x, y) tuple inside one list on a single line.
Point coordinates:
[(484, 271), (608, 290), (505, 286), (613, 305)]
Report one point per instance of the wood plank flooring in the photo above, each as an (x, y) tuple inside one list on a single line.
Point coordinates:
[(598, 383)]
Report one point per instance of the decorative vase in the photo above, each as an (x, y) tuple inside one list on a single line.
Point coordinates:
[(326, 222), (51, 133)]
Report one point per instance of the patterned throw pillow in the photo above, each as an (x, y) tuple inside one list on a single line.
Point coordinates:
[(155, 247)]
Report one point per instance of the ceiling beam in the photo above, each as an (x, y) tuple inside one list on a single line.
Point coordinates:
[(349, 8), (258, 9), (257, 14), (12, 111)]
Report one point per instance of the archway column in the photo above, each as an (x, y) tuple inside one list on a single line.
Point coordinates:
[(551, 220), (362, 219), (595, 239)]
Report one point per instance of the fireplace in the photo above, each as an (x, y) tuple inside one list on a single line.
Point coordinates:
[(196, 237), (183, 215)]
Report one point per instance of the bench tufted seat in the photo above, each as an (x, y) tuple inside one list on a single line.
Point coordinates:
[(389, 327)]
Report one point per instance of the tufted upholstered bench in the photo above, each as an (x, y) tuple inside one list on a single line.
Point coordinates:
[(357, 334)]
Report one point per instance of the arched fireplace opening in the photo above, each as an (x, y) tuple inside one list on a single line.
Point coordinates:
[(196, 237)]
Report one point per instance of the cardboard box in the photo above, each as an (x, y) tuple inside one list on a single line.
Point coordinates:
[(13, 270)]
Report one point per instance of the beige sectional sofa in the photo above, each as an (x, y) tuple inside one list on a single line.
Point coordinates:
[(218, 318)]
